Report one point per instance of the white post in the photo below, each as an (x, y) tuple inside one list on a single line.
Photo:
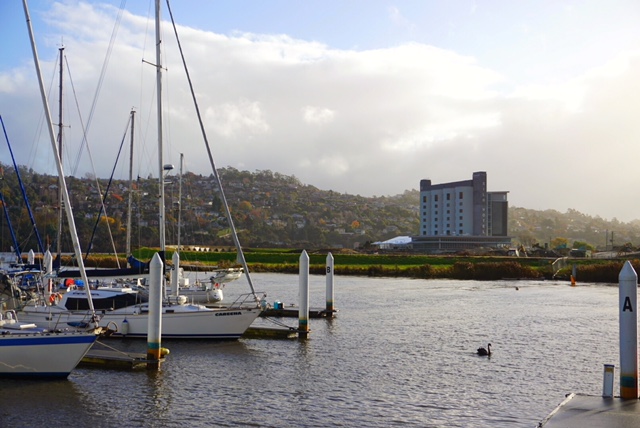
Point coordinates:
[(155, 313), (31, 258), (330, 296), (628, 295), (303, 306), (175, 279), (607, 381)]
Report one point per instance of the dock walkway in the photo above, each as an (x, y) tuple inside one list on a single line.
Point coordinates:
[(587, 411)]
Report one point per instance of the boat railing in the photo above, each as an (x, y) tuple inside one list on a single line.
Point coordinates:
[(247, 299), (65, 321)]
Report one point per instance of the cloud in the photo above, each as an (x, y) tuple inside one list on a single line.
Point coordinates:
[(317, 115), (369, 122)]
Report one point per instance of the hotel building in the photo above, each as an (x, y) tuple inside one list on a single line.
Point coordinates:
[(461, 215)]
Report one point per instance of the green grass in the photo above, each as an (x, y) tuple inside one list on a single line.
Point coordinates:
[(405, 265)]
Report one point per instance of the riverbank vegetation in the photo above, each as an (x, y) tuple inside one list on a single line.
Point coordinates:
[(394, 265)]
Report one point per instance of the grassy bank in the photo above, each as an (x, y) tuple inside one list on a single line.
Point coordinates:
[(390, 265), (408, 265)]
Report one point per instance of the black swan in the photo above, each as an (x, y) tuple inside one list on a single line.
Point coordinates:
[(482, 351)]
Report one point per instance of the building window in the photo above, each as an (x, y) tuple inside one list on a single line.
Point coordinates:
[(460, 196), (461, 210), (448, 196), (436, 219), (460, 232), (424, 199), (460, 224), (448, 211), (435, 198)]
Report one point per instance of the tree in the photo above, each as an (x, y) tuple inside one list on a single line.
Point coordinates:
[(558, 243)]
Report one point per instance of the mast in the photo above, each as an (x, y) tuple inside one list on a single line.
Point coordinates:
[(240, 258), (161, 225), (129, 203), (180, 200), (63, 187), (24, 196), (59, 237), (16, 245)]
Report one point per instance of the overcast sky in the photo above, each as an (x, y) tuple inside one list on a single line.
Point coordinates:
[(362, 97)]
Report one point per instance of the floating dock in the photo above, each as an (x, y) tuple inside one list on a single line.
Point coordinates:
[(106, 357), (264, 332), (586, 411), (293, 311)]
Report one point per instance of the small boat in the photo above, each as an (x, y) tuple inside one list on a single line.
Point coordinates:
[(223, 275), (29, 351)]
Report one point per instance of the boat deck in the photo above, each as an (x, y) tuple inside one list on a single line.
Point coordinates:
[(587, 411)]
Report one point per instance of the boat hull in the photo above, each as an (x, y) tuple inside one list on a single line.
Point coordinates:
[(178, 322), (42, 355)]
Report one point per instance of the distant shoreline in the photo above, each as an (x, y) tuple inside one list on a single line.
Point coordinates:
[(418, 266)]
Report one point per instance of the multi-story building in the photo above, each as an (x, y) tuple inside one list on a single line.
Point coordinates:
[(461, 215)]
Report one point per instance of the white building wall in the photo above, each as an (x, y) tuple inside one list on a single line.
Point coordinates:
[(447, 211), (463, 210)]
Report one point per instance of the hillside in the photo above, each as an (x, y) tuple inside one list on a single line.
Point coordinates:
[(269, 210)]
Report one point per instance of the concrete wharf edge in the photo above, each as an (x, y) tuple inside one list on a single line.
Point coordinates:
[(588, 411)]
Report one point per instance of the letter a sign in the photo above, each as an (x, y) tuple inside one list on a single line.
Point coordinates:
[(627, 305)]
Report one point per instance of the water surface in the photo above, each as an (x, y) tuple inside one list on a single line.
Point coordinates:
[(400, 352)]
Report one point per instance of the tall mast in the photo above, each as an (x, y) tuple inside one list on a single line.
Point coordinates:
[(180, 199), (65, 193), (59, 237), (161, 226), (128, 250)]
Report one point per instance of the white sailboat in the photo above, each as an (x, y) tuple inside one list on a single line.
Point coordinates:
[(180, 320), (28, 351), (25, 349)]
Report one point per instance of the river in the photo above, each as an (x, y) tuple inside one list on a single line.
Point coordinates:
[(400, 352)]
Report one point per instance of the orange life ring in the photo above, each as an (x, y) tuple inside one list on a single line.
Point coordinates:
[(54, 298)]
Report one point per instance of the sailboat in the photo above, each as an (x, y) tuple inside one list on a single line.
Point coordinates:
[(25, 349), (29, 351), (180, 320)]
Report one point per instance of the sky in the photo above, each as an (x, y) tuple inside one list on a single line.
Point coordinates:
[(365, 97)]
